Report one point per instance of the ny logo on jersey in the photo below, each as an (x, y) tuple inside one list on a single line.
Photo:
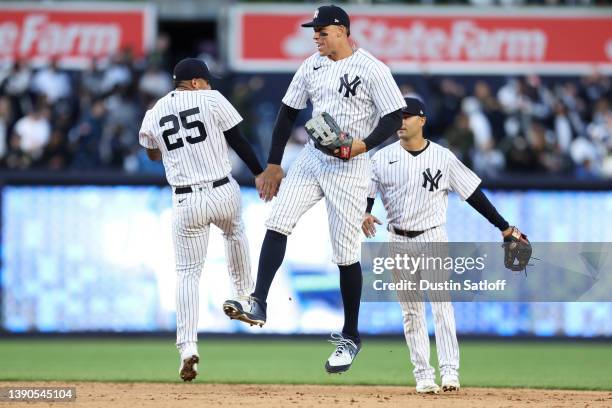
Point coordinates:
[(350, 88), (433, 181)]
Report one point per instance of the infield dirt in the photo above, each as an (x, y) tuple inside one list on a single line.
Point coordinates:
[(158, 395)]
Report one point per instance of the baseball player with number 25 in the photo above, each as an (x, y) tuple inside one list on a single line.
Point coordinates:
[(413, 177), (189, 130), (356, 106)]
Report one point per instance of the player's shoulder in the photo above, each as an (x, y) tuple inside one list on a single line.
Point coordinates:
[(212, 94), (385, 152), (366, 57), (312, 61), (438, 149)]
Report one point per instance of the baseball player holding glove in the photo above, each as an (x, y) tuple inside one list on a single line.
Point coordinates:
[(413, 177), (356, 106)]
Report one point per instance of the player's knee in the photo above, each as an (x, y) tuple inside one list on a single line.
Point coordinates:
[(189, 270), (278, 230)]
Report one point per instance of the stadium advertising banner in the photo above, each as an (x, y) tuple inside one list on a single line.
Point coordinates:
[(434, 40), (74, 35)]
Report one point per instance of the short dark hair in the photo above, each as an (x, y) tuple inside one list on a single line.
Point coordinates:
[(184, 82)]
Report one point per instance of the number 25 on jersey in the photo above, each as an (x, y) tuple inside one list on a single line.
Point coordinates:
[(174, 121)]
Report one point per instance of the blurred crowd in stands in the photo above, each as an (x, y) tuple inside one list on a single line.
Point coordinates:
[(89, 120)]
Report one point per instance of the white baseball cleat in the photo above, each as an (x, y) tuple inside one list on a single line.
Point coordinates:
[(427, 387), (450, 383), (342, 358)]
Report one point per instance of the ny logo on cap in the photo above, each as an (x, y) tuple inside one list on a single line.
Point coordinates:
[(316, 13), (421, 112)]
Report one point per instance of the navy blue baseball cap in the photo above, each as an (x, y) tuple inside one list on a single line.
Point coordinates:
[(414, 107), (190, 68), (329, 15)]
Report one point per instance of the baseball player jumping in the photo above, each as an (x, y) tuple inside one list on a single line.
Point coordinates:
[(189, 130), (357, 103), (414, 176)]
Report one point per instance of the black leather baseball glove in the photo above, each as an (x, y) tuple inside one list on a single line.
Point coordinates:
[(517, 250)]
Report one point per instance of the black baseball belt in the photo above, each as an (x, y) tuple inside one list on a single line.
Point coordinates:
[(188, 189), (409, 234)]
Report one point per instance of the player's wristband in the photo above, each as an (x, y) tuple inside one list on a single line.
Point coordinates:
[(370, 205)]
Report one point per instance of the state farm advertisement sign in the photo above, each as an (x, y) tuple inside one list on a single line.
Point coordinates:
[(417, 40), (75, 33)]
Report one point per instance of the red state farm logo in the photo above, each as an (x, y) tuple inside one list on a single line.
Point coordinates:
[(39, 37), (421, 40)]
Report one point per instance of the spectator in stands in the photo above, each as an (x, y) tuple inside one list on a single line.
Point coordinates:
[(460, 139), (51, 82), (491, 109), (91, 80), (118, 73), (32, 133), (16, 86), (154, 83), (85, 138), (56, 154)]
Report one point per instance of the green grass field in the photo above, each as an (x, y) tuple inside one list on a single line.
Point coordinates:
[(559, 365)]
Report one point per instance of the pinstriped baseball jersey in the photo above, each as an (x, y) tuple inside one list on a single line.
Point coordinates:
[(414, 189), (356, 91), (187, 127)]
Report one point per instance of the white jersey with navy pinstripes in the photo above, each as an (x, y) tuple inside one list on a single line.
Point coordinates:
[(356, 91), (187, 127), (414, 189)]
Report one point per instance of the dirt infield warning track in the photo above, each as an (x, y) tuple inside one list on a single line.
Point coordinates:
[(158, 395)]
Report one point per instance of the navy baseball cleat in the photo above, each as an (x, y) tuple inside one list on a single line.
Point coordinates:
[(344, 355), (247, 309)]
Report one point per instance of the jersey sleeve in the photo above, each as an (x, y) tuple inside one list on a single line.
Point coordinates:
[(145, 135), (462, 180), (297, 95), (385, 92), (227, 116)]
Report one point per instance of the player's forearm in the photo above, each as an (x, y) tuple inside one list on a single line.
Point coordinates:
[(387, 125), (243, 149), (154, 154), (282, 131), (481, 203)]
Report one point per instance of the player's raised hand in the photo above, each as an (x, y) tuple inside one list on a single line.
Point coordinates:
[(269, 182), (368, 226)]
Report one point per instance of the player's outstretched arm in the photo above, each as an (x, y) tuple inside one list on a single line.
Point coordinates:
[(273, 174), (387, 126), (368, 225), (243, 149), (479, 201)]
